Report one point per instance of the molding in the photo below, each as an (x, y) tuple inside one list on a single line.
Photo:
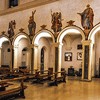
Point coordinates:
[(25, 6)]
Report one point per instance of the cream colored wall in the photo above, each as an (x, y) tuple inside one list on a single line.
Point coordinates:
[(5, 55), (73, 48), (97, 49), (43, 42), (2, 5), (25, 1), (69, 10), (22, 44)]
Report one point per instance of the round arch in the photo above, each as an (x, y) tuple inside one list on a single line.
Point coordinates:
[(70, 29), (20, 36), (42, 33), (93, 32), (4, 38)]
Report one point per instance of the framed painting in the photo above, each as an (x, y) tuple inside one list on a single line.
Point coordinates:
[(79, 55), (68, 56)]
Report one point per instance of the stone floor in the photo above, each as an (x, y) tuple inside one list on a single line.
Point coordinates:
[(73, 89)]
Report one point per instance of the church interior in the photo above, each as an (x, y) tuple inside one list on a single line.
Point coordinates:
[(49, 50)]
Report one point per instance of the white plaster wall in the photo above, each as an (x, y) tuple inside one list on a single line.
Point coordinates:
[(75, 63), (68, 8), (43, 42), (5, 55), (22, 44), (97, 51)]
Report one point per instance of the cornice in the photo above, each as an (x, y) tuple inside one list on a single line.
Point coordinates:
[(25, 6)]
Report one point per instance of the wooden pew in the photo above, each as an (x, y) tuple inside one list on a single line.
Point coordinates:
[(58, 79), (39, 78), (15, 92)]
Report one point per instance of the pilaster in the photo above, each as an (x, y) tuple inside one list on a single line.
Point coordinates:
[(15, 56), (87, 58)]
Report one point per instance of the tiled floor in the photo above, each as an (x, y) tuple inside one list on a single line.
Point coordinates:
[(71, 90)]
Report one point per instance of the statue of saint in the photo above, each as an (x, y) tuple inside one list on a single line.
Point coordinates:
[(87, 18), (11, 28), (56, 21), (32, 24)]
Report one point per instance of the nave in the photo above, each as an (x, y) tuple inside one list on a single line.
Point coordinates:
[(73, 89)]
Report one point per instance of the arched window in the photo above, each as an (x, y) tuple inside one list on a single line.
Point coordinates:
[(13, 3)]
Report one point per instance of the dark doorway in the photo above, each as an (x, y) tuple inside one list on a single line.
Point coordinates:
[(42, 61)]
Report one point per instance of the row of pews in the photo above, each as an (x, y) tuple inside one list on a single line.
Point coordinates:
[(12, 93), (53, 79), (21, 75)]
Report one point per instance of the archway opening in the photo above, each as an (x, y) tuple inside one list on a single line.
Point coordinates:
[(22, 53), (70, 50), (44, 52), (72, 54), (94, 36), (5, 52)]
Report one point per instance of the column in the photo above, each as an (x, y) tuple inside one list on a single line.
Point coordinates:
[(58, 57), (36, 57), (15, 56), (87, 60), (31, 58), (11, 58)]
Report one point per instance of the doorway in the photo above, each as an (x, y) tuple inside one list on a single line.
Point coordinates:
[(42, 61)]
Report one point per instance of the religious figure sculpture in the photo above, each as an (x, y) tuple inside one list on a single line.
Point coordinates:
[(12, 25), (32, 24), (56, 21), (87, 18)]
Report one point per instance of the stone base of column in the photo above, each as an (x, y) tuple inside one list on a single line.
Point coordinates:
[(86, 80)]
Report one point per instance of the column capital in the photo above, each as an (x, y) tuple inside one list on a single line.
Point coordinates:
[(31, 46), (57, 44), (11, 46), (35, 45), (86, 42)]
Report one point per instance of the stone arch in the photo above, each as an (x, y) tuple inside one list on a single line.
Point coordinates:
[(20, 36), (74, 29), (94, 50), (42, 33), (92, 33), (62, 34), (4, 38), (5, 51), (15, 43)]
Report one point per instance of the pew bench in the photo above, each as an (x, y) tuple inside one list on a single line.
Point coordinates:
[(41, 77), (7, 94), (12, 93), (57, 79)]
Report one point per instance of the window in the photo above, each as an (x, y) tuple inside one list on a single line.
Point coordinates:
[(79, 46), (13, 3)]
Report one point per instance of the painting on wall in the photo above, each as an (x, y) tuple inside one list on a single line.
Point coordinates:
[(68, 56), (79, 55)]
